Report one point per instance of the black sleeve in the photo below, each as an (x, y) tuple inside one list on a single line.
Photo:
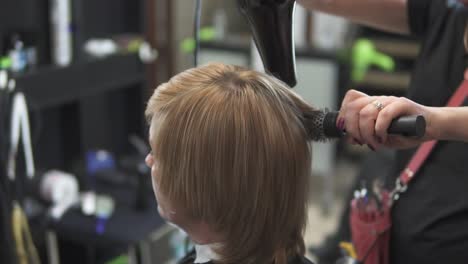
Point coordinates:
[(423, 14)]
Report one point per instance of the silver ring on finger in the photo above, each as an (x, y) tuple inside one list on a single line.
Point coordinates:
[(378, 105)]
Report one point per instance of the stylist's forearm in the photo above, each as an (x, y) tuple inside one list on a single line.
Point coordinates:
[(390, 15), (451, 123)]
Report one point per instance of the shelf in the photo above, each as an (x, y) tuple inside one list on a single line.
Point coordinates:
[(53, 86), (395, 82), (243, 46), (74, 226), (232, 45), (402, 49)]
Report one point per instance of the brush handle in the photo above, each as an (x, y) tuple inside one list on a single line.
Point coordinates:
[(407, 126)]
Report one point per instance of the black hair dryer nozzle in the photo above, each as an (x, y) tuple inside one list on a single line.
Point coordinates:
[(271, 22)]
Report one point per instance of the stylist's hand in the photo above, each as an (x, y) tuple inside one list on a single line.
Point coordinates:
[(367, 118)]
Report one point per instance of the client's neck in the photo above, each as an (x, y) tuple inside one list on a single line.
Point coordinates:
[(201, 234)]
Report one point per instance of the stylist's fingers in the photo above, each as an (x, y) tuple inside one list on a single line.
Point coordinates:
[(351, 95), (395, 108), (466, 72), (367, 119), (351, 114), (348, 120)]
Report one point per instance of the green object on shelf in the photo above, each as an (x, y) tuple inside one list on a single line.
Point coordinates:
[(5, 63), (364, 55), (134, 45), (119, 260), (206, 34)]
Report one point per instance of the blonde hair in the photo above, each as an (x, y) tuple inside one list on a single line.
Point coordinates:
[(232, 150)]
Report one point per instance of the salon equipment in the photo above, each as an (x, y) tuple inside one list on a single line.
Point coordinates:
[(322, 126), (271, 22), (31, 57), (96, 162), (18, 55), (20, 129), (3, 78), (365, 55), (125, 228), (99, 160), (88, 203), (61, 189), (25, 248), (104, 209), (5, 63), (60, 18), (206, 34), (14, 125), (100, 47), (146, 53)]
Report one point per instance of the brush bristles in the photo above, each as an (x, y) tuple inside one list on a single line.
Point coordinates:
[(313, 122), (321, 125)]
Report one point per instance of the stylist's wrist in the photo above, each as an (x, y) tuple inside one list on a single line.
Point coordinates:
[(438, 124), (450, 123)]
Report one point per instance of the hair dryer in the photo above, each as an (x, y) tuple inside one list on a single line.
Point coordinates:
[(271, 22)]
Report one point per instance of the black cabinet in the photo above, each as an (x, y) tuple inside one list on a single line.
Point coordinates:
[(93, 103)]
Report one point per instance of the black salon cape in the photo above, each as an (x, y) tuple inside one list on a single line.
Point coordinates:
[(190, 258), (430, 221)]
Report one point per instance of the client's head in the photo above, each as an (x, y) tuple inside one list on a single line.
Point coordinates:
[(230, 161)]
